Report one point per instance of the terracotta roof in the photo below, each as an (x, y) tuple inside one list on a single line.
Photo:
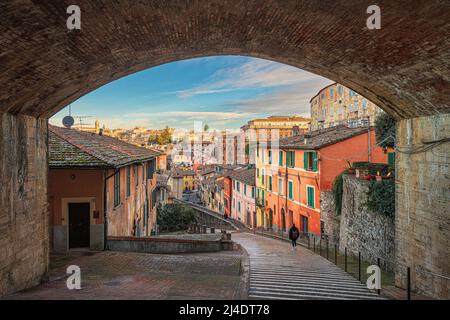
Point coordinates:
[(73, 148), (245, 175), (321, 138), (179, 173)]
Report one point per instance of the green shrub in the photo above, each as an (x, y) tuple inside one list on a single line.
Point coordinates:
[(175, 217), (385, 130), (337, 193), (381, 197)]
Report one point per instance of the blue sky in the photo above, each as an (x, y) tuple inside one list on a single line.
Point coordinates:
[(223, 91)]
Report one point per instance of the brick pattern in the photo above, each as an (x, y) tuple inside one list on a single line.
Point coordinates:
[(44, 66)]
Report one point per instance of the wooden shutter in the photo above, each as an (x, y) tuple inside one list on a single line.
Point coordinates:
[(305, 160), (314, 156)]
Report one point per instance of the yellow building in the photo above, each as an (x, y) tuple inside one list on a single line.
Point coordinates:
[(336, 104), (274, 127)]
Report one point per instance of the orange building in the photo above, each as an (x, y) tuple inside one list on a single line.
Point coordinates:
[(292, 177), (98, 186)]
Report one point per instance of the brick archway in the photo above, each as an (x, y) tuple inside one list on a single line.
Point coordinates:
[(44, 66), (404, 68)]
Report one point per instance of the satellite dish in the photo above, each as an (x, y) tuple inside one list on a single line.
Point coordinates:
[(68, 121)]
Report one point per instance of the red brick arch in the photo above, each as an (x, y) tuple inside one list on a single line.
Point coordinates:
[(404, 67)]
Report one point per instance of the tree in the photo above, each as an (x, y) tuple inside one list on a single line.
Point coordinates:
[(206, 127), (385, 130), (175, 217)]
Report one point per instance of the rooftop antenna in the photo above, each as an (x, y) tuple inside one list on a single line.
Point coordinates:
[(68, 121)]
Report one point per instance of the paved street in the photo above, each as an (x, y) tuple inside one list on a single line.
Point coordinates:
[(278, 273), (121, 275)]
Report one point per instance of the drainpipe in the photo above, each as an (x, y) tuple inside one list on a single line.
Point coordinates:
[(369, 147), (105, 205)]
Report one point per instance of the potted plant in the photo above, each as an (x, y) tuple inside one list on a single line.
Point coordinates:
[(350, 168), (378, 177)]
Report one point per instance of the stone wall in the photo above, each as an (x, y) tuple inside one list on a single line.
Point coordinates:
[(162, 245), (329, 218), (371, 233), (23, 202), (423, 206)]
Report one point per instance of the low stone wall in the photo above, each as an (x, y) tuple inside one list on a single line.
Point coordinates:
[(166, 245), (371, 233)]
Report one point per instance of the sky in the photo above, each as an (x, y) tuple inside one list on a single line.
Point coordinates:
[(222, 91)]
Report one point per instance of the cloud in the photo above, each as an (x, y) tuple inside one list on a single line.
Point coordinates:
[(256, 73), (288, 100)]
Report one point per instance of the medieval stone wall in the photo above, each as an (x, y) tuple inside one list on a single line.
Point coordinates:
[(23, 202), (329, 218), (423, 205), (361, 230)]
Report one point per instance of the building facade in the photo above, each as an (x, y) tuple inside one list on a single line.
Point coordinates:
[(243, 196), (98, 187), (291, 178), (336, 104)]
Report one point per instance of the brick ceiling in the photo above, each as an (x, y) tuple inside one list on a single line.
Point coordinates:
[(404, 67)]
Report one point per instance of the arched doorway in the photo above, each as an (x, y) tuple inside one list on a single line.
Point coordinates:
[(283, 220)]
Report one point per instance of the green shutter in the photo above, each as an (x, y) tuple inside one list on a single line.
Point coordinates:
[(290, 190), (311, 197), (391, 159), (314, 154), (305, 160), (281, 158), (293, 159), (270, 183)]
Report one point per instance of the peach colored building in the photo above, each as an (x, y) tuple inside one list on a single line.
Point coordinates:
[(243, 196), (290, 178), (336, 104), (98, 186)]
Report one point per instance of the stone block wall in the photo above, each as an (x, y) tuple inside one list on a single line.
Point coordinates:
[(329, 218), (423, 206), (23, 202), (371, 233)]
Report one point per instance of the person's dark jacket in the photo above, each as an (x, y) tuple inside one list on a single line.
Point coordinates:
[(294, 233)]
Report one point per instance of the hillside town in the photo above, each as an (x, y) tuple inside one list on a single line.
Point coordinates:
[(273, 173)]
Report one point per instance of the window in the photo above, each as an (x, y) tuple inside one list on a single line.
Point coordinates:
[(280, 158), (391, 159), (257, 173), (136, 175), (310, 161), (153, 198), (290, 159), (128, 181), (270, 183), (262, 177), (339, 88), (280, 186), (310, 192), (270, 157), (253, 192), (151, 168), (364, 103), (238, 186), (245, 189), (239, 206), (117, 189), (291, 190)]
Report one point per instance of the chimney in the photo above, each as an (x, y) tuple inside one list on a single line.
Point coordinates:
[(295, 131), (308, 138)]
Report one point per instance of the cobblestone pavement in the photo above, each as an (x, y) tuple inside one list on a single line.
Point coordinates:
[(122, 275), (276, 272)]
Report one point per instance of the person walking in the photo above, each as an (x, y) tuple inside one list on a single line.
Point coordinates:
[(294, 233)]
